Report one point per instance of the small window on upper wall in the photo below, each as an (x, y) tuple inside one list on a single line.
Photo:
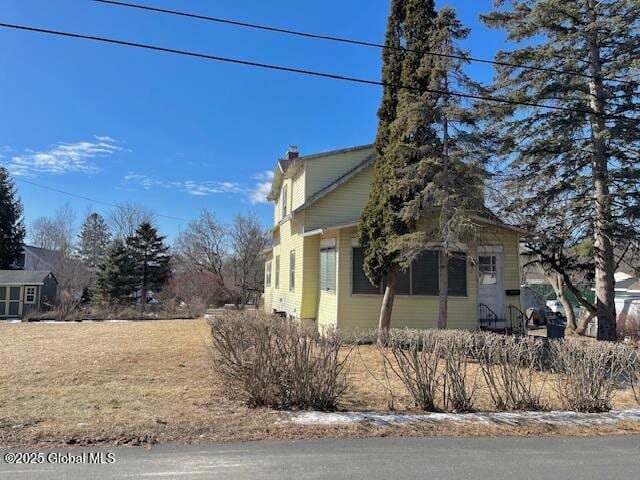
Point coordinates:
[(285, 201)]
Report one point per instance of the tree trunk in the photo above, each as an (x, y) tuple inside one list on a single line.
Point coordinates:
[(443, 294), (443, 267), (384, 322), (604, 261), (555, 279)]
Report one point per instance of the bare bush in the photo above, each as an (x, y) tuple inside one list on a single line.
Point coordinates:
[(459, 386), (277, 363), (417, 355), (509, 366), (588, 373)]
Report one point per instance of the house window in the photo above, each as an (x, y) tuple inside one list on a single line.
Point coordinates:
[(267, 274), (278, 271), (458, 274), (328, 266), (30, 295), (285, 201), (487, 269), (425, 274), (420, 279), (360, 284), (292, 270)]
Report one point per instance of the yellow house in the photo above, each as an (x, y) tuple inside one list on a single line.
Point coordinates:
[(314, 272)]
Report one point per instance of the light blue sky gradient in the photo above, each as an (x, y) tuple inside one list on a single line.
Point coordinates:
[(181, 134)]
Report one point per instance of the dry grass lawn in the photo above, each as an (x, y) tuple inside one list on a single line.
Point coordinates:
[(148, 382)]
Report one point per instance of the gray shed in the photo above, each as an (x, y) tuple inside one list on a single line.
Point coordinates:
[(23, 292)]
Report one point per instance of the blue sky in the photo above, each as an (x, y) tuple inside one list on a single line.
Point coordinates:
[(179, 134)]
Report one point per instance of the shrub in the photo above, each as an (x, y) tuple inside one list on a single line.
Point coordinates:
[(509, 365), (278, 363), (416, 355), (589, 373), (433, 364), (458, 388)]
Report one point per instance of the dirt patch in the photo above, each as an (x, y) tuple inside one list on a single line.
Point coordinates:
[(140, 383)]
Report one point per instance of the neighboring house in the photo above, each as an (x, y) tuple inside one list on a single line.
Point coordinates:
[(23, 292), (628, 302), (35, 258), (314, 269)]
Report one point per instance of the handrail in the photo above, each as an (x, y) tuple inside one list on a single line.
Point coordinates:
[(487, 317), (518, 318)]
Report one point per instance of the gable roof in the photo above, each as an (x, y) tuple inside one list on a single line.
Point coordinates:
[(286, 168), (51, 258), (367, 162), (23, 277)]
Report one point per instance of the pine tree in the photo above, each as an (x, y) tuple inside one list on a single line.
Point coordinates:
[(152, 260), (413, 175), (573, 176), (94, 238), (12, 230), (116, 278)]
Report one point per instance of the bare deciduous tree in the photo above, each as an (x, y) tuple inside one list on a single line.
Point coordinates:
[(202, 246), (57, 232), (127, 217), (248, 240)]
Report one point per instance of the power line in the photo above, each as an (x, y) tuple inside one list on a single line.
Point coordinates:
[(93, 200), (351, 41), (300, 71)]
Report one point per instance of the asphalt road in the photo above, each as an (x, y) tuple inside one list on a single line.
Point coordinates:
[(383, 458)]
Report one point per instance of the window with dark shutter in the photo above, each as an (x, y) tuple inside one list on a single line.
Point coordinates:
[(458, 274), (425, 274), (360, 282)]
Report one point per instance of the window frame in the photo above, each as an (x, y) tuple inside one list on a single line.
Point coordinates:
[(267, 274), (411, 279), (277, 280), (292, 271), (26, 294), (330, 246), (285, 201)]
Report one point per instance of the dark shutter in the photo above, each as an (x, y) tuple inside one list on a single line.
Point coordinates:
[(458, 274), (425, 274), (360, 282)]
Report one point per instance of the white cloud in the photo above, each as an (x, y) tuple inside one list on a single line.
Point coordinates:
[(254, 194), (63, 158), (260, 192), (266, 175)]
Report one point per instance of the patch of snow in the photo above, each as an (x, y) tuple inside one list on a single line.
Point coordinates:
[(505, 418)]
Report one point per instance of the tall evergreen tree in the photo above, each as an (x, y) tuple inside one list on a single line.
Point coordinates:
[(413, 178), (12, 229), (116, 278), (573, 176), (152, 260), (94, 239)]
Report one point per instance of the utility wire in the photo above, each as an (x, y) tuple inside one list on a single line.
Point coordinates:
[(301, 71), (351, 41), (93, 200)]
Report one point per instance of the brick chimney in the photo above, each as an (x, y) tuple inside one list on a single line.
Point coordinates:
[(292, 153)]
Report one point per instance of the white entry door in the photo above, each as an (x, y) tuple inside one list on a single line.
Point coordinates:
[(490, 282)]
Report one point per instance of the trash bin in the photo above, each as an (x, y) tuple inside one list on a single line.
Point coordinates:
[(555, 329)]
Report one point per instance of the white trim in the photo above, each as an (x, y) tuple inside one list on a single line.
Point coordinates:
[(328, 243), (322, 231), (26, 294), (490, 249)]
